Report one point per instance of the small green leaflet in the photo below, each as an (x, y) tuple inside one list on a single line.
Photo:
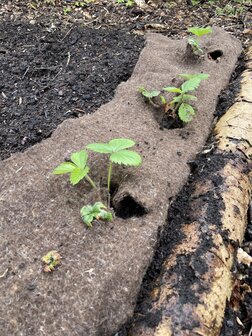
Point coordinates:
[(126, 157), (78, 174), (118, 144), (148, 94), (80, 159), (78, 168), (64, 168), (118, 150), (163, 100), (112, 146), (200, 31), (191, 84), (187, 97), (172, 89), (186, 112), (99, 148), (197, 75), (97, 211)]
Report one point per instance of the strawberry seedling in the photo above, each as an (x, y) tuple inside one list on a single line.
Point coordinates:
[(180, 103), (77, 168), (118, 154), (194, 41)]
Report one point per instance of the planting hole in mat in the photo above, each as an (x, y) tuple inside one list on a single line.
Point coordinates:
[(128, 207), (215, 55)]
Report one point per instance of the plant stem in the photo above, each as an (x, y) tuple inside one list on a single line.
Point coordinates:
[(181, 101), (153, 104), (91, 181), (109, 174)]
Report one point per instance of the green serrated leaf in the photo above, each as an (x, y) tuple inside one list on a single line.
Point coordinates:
[(105, 215), (80, 158), (78, 174), (200, 31), (100, 148), (98, 206), (191, 84), (97, 211), (186, 112), (177, 99), (172, 89), (197, 75), (64, 168), (88, 219), (126, 157), (119, 144), (163, 100), (86, 210), (187, 97), (112, 146), (150, 94)]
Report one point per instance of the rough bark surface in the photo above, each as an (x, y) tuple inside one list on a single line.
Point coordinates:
[(95, 288), (190, 295)]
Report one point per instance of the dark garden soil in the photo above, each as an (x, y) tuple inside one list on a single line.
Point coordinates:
[(56, 66), (52, 76)]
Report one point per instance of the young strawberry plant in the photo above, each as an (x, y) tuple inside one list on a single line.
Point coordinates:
[(118, 154), (77, 168), (194, 41), (98, 211), (180, 103)]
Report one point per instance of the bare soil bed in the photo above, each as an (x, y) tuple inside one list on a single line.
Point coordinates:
[(49, 76)]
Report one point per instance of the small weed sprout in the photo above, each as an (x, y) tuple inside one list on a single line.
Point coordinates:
[(118, 154), (194, 42), (98, 211), (180, 103), (77, 168), (51, 260)]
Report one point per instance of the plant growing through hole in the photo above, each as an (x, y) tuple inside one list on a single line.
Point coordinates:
[(77, 168), (98, 211), (194, 41), (118, 154), (180, 103)]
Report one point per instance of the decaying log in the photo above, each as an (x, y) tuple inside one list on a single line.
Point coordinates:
[(190, 295)]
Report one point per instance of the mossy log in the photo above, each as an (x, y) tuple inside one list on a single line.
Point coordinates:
[(190, 294)]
